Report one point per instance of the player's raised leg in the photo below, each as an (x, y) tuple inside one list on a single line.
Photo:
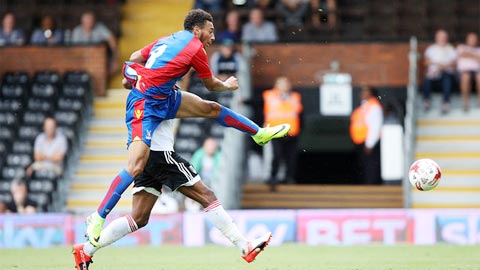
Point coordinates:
[(193, 106), (217, 215), (137, 158), (142, 205)]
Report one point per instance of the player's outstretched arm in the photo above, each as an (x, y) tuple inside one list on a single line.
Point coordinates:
[(137, 57), (215, 84)]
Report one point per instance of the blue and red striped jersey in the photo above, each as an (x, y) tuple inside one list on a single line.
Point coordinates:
[(168, 59)]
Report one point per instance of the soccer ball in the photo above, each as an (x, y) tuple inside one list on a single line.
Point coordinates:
[(424, 174)]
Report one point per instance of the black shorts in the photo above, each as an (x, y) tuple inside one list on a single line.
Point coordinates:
[(165, 168)]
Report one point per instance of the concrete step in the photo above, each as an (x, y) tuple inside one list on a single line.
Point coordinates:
[(445, 199), (106, 144), (91, 151), (449, 154), (459, 181), (450, 131), (447, 146), (93, 166), (460, 164)]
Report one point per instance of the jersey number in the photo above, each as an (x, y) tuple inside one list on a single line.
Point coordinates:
[(154, 54)]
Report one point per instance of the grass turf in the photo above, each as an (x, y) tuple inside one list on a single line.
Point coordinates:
[(286, 257)]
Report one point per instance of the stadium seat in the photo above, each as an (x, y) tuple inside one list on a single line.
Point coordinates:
[(41, 185), (34, 118), (66, 103), (10, 105), (8, 119), (3, 150), (19, 160), (66, 118), (45, 174), (47, 77), (76, 77), (22, 147), (4, 186), (28, 132), (40, 104), (13, 172), (6, 197), (15, 78), (43, 90), (6, 133), (16, 91)]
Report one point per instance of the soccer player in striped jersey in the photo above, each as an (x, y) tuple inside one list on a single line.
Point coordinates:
[(165, 167), (151, 75)]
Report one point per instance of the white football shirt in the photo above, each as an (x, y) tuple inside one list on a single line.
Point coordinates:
[(163, 136)]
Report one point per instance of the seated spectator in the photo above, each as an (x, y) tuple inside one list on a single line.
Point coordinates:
[(21, 203), (48, 33), (206, 161), (9, 35), (258, 30), (92, 32), (468, 65), (209, 5), (440, 60), (226, 61), (49, 149), (323, 11), (293, 12), (233, 27)]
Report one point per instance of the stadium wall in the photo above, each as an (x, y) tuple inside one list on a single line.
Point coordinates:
[(92, 59), (311, 227), (376, 64)]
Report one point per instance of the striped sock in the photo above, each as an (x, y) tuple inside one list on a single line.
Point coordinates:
[(112, 233), (114, 193), (215, 213), (229, 118)]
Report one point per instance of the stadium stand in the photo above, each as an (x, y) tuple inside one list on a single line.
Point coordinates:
[(24, 105)]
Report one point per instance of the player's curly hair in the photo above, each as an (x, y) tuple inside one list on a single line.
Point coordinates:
[(196, 17)]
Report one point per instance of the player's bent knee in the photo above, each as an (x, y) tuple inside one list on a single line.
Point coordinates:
[(141, 220), (210, 109)]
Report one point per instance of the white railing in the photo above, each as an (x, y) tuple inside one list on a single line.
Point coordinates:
[(233, 158), (410, 118)]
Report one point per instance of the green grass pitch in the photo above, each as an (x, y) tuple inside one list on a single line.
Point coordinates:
[(286, 257)]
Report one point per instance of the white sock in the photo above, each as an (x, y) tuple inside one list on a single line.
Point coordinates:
[(113, 232), (222, 221)]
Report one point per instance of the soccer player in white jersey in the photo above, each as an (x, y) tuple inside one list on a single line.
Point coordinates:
[(165, 167)]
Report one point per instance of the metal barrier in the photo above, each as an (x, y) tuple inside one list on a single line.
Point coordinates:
[(410, 118), (233, 155)]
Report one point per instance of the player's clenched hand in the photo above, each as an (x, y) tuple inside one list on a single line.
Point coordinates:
[(231, 83), (126, 84)]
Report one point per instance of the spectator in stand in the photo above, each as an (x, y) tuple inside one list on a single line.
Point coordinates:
[(49, 149), (209, 5), (48, 33), (206, 161), (9, 35), (92, 32), (293, 12), (282, 105), (233, 27), (440, 60), (323, 11), (468, 65), (365, 125), (226, 61), (257, 29), (21, 203)]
